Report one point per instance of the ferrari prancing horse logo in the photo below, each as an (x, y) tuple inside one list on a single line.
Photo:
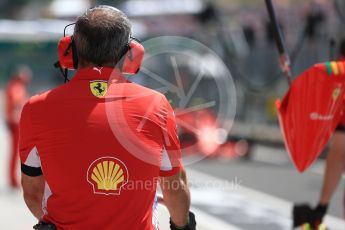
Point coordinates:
[(99, 88)]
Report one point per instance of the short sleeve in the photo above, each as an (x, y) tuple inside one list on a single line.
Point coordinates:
[(171, 153), (29, 157)]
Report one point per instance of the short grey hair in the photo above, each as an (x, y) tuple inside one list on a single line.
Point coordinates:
[(101, 35)]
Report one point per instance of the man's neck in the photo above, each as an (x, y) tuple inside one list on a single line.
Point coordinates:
[(82, 65)]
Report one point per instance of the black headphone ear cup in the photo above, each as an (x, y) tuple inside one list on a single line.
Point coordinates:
[(133, 58), (74, 54), (125, 50), (122, 56)]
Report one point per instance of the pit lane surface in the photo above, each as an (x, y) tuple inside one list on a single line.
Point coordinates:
[(261, 191)]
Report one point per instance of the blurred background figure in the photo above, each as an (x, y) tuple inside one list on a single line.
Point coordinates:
[(16, 96), (334, 169)]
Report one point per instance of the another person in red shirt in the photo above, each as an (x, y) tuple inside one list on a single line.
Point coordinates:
[(334, 169), (16, 96), (92, 150)]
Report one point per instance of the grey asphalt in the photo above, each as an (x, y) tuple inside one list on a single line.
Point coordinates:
[(277, 179)]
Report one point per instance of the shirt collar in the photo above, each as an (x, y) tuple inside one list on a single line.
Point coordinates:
[(99, 73)]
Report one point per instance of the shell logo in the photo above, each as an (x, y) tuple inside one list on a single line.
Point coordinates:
[(107, 175)]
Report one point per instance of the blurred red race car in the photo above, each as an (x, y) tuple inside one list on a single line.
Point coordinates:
[(201, 133)]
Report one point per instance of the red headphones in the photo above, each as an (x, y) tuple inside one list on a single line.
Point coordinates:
[(131, 59)]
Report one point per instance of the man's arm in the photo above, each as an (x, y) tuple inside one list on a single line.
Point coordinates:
[(176, 197), (173, 179), (335, 165), (33, 188)]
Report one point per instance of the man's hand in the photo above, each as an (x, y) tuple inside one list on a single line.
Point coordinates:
[(317, 215), (44, 226), (300, 214), (305, 214), (191, 225)]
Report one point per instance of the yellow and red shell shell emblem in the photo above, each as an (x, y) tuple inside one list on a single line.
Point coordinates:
[(107, 175)]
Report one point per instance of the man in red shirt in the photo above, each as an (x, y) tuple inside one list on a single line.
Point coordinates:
[(16, 96), (334, 169), (77, 172)]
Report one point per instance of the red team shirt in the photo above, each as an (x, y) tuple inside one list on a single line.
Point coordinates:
[(16, 96), (100, 144)]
